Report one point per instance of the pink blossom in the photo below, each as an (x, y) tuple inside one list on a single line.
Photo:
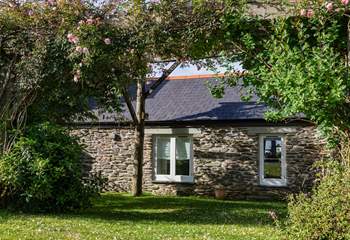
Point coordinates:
[(345, 2), (107, 41), (81, 22), (310, 13), (154, 1), (85, 50), (51, 2), (76, 76), (79, 49), (90, 21), (30, 13), (329, 6), (75, 40), (72, 38), (302, 12)]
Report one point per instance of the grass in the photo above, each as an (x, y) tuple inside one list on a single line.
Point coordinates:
[(119, 216)]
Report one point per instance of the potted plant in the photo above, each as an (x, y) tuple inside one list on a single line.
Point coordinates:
[(219, 192)]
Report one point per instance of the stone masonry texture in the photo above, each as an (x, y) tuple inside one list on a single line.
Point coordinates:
[(222, 155)]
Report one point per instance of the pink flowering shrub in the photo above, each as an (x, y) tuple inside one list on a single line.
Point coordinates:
[(72, 38), (310, 8), (107, 41), (329, 6)]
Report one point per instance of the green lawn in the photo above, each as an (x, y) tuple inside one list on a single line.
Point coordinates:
[(119, 216)]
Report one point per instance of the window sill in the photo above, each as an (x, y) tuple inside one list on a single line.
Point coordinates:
[(171, 182), (273, 182), (173, 179)]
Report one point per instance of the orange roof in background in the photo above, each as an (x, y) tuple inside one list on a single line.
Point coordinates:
[(195, 76)]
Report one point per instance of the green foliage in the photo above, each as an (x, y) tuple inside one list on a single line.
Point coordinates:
[(296, 63), (304, 73), (67, 51), (325, 214), (43, 172), (62, 53)]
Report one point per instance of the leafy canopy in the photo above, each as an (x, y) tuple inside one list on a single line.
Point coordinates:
[(60, 53), (296, 62)]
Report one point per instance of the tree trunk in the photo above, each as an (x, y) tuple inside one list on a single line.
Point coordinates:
[(139, 139), (138, 118)]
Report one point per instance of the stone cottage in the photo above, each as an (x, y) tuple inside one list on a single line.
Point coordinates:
[(196, 143)]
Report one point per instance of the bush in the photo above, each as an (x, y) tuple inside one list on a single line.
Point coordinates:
[(43, 172), (325, 213)]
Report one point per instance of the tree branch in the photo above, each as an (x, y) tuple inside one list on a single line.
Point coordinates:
[(130, 106), (165, 74), (127, 97), (7, 78), (192, 59)]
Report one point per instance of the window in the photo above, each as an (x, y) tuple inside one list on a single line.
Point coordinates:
[(273, 169), (173, 158)]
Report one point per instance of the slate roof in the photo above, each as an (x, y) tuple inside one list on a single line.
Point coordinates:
[(190, 100)]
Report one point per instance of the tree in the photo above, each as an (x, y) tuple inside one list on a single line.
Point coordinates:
[(100, 51), (35, 74), (297, 63), (161, 30), (37, 66)]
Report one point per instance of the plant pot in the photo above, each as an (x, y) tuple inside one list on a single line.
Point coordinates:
[(220, 193)]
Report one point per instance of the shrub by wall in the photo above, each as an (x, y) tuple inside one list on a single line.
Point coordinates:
[(43, 172), (325, 213)]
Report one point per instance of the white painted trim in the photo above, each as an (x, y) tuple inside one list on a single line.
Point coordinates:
[(172, 177), (191, 158), (271, 130), (172, 131), (272, 182), (179, 179), (172, 156), (154, 153)]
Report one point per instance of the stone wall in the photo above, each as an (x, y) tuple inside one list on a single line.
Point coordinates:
[(108, 151), (224, 155)]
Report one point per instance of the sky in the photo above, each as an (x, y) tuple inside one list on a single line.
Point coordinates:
[(190, 69)]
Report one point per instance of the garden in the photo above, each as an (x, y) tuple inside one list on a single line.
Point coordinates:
[(57, 55)]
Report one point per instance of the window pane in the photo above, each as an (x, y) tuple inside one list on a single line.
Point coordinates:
[(183, 155), (272, 157), (163, 155)]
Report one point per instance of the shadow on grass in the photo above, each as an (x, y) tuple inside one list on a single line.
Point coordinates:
[(179, 210), (183, 210)]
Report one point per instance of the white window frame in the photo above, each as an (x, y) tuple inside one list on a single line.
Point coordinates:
[(273, 182), (172, 177)]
